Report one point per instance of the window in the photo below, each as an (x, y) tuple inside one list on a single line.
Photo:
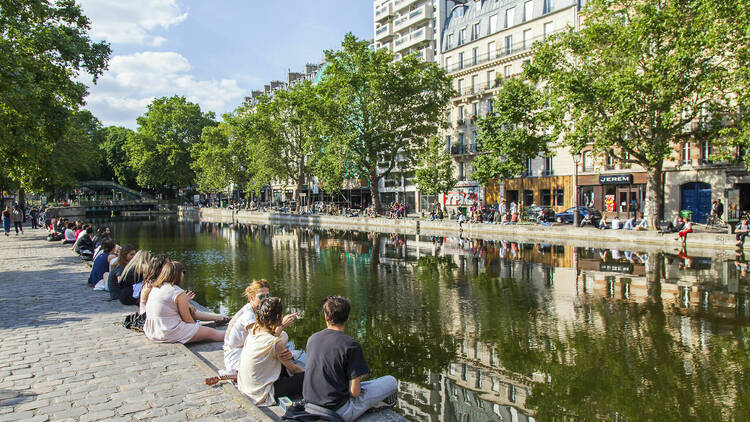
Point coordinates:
[(461, 116), (474, 82), (449, 42), (685, 153), (548, 166), (509, 44), (507, 71), (527, 39), (460, 87), (560, 197), (493, 24), (528, 197), (460, 171), (706, 152), (547, 29), (490, 106), (490, 79), (546, 197), (588, 161), (461, 60), (528, 10), (448, 64), (448, 143), (492, 50), (474, 141), (462, 37), (475, 31), (474, 111), (474, 56), (527, 167), (509, 14), (549, 6)]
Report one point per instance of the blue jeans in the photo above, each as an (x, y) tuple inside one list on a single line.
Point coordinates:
[(372, 393)]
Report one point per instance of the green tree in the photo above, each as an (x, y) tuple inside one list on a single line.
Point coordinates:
[(159, 151), (214, 160), (435, 172), (376, 112), (113, 149), (290, 135), (635, 77), (518, 130), (45, 53)]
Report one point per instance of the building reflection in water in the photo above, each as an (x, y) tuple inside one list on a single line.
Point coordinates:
[(482, 330)]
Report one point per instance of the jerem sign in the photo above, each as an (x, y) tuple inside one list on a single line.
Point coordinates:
[(616, 179)]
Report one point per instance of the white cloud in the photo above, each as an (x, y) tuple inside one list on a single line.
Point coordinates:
[(132, 21), (133, 81)]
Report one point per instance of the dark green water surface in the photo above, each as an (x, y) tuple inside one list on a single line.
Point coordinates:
[(480, 330)]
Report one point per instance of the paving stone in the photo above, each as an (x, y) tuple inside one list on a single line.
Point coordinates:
[(97, 416)]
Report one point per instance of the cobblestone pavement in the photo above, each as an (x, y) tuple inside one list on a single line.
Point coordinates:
[(65, 356)]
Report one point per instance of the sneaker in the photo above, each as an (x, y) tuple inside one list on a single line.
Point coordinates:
[(391, 401)]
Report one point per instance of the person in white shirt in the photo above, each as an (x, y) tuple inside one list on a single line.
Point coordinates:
[(70, 234), (616, 223), (643, 225), (237, 330), (629, 224)]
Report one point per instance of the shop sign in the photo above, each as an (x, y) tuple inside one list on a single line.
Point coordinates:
[(467, 184), (616, 267), (462, 197), (615, 179)]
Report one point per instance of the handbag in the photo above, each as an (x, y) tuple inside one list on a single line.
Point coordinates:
[(135, 321)]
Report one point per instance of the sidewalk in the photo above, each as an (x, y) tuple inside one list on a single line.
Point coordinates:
[(65, 356)]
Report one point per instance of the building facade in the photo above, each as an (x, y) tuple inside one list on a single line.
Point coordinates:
[(483, 43)]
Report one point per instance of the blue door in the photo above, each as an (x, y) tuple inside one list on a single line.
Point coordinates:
[(696, 197)]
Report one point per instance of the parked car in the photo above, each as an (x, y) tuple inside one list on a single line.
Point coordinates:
[(567, 215), (539, 213)]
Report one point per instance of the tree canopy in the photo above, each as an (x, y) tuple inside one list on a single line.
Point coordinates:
[(378, 112), (435, 171), (45, 53), (159, 151), (638, 73)]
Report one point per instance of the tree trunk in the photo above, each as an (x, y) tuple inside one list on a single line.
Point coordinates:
[(654, 196), (375, 194)]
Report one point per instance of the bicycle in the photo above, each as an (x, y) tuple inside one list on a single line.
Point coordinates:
[(714, 221)]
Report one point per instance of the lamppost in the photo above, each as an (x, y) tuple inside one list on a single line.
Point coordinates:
[(576, 158), (403, 183)]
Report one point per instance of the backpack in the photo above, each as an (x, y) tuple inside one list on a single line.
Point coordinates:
[(308, 412), (135, 321)]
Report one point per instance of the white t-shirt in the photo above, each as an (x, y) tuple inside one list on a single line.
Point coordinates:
[(70, 235), (234, 339)]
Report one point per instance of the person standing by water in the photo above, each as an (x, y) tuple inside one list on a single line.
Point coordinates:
[(7, 220), (335, 366)]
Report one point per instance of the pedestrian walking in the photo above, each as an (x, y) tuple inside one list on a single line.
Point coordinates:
[(18, 219), (7, 219)]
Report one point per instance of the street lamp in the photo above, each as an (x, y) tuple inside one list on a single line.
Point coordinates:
[(403, 183), (576, 158)]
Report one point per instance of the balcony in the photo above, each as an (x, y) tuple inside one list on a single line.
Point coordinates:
[(384, 32), (427, 54), (383, 12), (403, 4), (500, 53), (413, 38), (465, 149), (422, 13)]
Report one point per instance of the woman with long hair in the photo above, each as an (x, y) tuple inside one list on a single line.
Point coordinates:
[(168, 314), (132, 276), (126, 254), (154, 269), (7, 220), (261, 376)]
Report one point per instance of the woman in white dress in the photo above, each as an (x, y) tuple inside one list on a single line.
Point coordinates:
[(168, 316), (261, 376)]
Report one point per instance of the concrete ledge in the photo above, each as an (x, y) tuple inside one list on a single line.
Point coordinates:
[(521, 232)]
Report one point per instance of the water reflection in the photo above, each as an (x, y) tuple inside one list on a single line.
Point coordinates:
[(491, 330)]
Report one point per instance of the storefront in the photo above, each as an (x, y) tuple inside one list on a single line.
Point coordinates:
[(465, 194), (618, 195)]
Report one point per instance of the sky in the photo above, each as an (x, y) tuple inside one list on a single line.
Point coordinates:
[(213, 52)]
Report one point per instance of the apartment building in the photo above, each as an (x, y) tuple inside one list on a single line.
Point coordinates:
[(483, 43), (408, 26)]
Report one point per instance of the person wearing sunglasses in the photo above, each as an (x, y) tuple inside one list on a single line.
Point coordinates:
[(237, 330)]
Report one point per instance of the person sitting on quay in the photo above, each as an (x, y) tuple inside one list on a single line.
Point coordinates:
[(237, 330), (629, 223), (168, 316), (643, 224), (260, 375), (101, 264), (603, 225), (70, 236), (682, 234), (132, 275), (335, 366), (616, 223), (126, 254), (741, 232), (83, 245), (155, 265)]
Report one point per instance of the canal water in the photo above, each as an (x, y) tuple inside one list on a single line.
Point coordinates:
[(480, 330)]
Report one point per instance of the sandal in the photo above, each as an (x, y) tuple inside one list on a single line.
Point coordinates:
[(223, 321)]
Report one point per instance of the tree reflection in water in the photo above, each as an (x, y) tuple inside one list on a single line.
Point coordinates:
[(482, 330)]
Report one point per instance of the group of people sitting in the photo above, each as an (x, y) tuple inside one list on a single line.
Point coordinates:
[(256, 347), (629, 224), (397, 210)]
